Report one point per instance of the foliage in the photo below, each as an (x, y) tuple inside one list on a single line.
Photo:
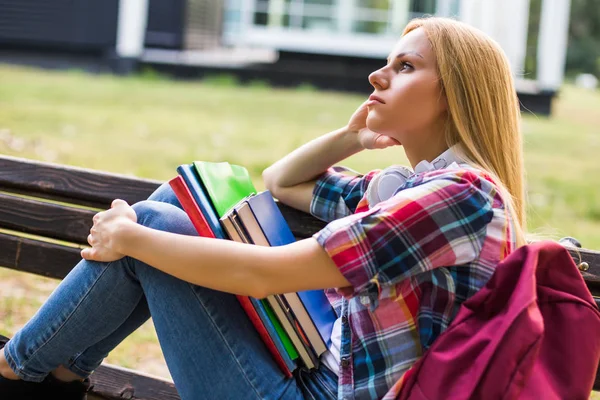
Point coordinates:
[(583, 54), (583, 51)]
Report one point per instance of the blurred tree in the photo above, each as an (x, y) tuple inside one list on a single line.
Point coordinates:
[(583, 54), (535, 8)]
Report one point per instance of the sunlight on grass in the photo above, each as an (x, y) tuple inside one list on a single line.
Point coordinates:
[(147, 126)]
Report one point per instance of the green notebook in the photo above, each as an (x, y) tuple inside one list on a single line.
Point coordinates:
[(225, 183)]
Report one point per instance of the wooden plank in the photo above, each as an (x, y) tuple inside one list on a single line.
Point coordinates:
[(303, 225), (37, 257), (113, 382), (59, 182), (592, 275), (45, 219)]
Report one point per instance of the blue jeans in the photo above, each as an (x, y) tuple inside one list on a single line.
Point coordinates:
[(210, 346)]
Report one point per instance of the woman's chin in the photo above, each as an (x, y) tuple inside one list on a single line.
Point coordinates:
[(373, 123)]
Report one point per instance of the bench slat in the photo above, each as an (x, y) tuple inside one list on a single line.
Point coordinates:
[(40, 258), (67, 183), (592, 275), (302, 225), (113, 382), (45, 219)]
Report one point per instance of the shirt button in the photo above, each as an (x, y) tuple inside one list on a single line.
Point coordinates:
[(345, 363), (344, 319)]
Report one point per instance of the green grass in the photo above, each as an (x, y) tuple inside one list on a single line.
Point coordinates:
[(147, 125)]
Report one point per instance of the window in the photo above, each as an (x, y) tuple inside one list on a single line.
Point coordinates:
[(377, 17)]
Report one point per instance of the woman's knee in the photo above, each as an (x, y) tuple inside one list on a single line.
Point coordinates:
[(163, 217), (164, 194)]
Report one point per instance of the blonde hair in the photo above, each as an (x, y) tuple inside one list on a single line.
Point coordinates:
[(483, 109)]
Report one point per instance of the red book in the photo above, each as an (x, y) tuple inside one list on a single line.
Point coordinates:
[(190, 207), (193, 211)]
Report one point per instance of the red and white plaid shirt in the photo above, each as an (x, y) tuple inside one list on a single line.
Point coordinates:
[(412, 261)]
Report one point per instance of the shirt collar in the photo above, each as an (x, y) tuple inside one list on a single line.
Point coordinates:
[(442, 161)]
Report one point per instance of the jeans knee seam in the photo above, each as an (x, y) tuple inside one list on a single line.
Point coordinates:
[(257, 392)]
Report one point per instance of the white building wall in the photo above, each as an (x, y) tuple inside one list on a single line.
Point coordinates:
[(552, 46), (506, 21)]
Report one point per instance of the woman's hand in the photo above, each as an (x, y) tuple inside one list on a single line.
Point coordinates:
[(105, 233), (367, 138)]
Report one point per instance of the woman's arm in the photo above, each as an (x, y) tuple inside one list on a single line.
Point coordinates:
[(292, 179), (232, 267)]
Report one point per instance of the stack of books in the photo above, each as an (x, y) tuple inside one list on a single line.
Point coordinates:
[(222, 203)]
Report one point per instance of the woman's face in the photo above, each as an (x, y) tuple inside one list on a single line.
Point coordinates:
[(408, 103)]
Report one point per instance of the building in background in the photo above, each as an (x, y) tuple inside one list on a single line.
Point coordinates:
[(332, 44)]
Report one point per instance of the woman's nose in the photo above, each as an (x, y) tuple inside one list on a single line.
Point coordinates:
[(378, 80)]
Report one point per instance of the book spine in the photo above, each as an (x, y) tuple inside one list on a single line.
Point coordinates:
[(305, 354), (284, 337), (308, 325)]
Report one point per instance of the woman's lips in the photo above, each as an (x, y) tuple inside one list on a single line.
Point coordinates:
[(375, 100)]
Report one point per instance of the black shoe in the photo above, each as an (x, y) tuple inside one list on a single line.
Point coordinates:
[(16, 389), (50, 387)]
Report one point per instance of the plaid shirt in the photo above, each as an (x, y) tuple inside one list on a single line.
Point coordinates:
[(412, 261)]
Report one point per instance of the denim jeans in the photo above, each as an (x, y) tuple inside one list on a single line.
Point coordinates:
[(210, 346)]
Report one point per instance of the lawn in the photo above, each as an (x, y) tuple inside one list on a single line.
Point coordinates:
[(146, 126)]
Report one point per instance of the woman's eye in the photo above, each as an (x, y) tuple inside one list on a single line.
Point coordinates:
[(404, 66)]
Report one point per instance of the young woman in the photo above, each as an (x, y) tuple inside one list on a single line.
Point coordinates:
[(403, 249)]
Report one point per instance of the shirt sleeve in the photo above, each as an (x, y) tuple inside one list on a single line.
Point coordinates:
[(338, 192), (441, 222)]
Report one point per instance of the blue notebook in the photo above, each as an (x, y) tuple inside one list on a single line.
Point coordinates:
[(192, 180), (278, 233)]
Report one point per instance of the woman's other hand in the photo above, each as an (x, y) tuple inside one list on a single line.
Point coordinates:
[(368, 139), (105, 233)]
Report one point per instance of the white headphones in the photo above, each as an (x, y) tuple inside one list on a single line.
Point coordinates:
[(385, 184)]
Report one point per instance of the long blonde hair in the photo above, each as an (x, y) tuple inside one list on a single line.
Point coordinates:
[(483, 109)]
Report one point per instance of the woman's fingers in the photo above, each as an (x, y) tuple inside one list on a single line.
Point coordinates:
[(118, 202), (88, 254)]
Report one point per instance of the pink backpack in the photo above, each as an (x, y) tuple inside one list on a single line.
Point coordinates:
[(533, 332)]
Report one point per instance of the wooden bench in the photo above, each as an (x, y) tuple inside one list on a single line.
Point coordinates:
[(54, 205)]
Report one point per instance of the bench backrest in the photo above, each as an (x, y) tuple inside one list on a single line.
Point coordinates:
[(46, 213)]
